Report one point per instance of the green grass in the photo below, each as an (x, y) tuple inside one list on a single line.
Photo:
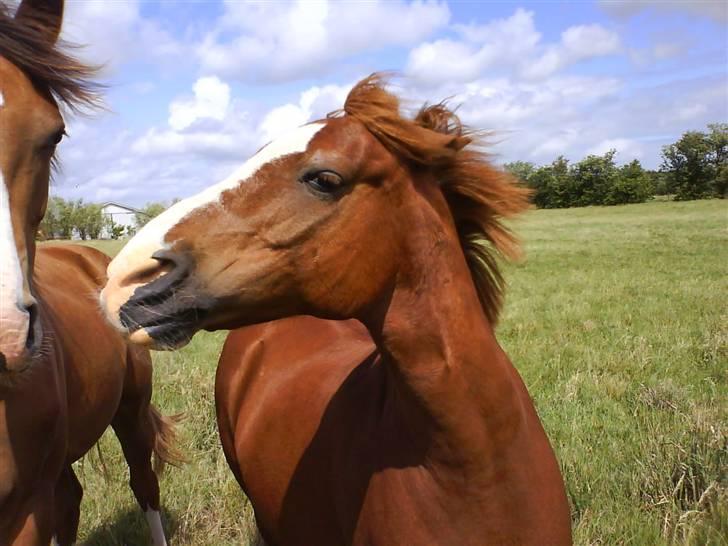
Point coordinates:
[(616, 320)]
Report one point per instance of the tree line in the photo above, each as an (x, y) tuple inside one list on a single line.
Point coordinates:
[(694, 167), (75, 219)]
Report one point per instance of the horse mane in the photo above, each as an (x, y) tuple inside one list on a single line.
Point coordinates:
[(47, 66), (480, 196)]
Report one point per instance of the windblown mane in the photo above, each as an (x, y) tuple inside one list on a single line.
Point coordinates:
[(52, 70), (480, 196)]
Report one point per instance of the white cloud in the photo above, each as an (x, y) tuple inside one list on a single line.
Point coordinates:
[(512, 44), (105, 29), (209, 144), (577, 43), (112, 33), (584, 41), (313, 103), (689, 112), (275, 42), (510, 105), (211, 101), (627, 149), (660, 51), (554, 145), (712, 9), (500, 42)]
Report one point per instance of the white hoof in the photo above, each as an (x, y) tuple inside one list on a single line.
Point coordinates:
[(155, 526)]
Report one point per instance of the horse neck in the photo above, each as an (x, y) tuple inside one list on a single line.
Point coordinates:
[(453, 382)]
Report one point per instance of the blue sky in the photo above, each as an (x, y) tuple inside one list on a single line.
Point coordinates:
[(196, 87)]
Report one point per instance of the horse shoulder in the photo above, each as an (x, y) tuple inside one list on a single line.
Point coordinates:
[(68, 279), (274, 384)]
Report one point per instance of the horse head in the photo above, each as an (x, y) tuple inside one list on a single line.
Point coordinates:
[(320, 221), (34, 77)]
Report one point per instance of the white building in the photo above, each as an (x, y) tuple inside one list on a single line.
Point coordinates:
[(119, 215)]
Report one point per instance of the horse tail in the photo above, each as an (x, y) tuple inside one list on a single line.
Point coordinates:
[(166, 442)]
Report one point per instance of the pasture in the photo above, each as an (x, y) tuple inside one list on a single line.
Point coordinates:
[(616, 319)]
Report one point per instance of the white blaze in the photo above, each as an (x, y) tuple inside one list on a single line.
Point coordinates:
[(14, 320), (137, 253), (155, 526)]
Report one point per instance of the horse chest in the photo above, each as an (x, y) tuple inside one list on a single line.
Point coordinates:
[(32, 435)]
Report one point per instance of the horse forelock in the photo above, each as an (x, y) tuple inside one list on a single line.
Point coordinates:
[(67, 79), (480, 196)]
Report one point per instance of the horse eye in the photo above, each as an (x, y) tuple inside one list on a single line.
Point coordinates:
[(323, 181), (56, 138)]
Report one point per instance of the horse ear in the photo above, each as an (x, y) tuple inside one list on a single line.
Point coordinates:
[(43, 16), (457, 143)]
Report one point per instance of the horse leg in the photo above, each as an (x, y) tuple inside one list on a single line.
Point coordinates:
[(137, 442), (142, 430), (67, 507)]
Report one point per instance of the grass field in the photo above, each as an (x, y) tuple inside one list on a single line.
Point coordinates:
[(617, 321)]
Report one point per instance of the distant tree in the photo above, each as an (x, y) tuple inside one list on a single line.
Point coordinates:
[(115, 231), (66, 217), (551, 185), (79, 220), (561, 189), (718, 140), (720, 184), (149, 211), (49, 227), (541, 181), (593, 178), (691, 163), (631, 185), (87, 219), (92, 221), (520, 169), (660, 182)]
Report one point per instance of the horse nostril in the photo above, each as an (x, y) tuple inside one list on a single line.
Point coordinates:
[(146, 275), (172, 257), (176, 266), (33, 325), (160, 280)]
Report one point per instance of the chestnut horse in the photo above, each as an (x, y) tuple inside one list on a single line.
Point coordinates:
[(408, 425), (65, 375)]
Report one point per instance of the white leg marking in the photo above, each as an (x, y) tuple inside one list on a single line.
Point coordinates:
[(54, 541), (150, 238), (155, 526)]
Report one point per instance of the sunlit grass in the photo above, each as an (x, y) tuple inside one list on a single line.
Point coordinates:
[(617, 321)]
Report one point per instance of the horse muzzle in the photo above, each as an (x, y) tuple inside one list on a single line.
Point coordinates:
[(156, 305), (20, 337)]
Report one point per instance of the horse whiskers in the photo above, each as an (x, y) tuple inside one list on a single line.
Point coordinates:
[(159, 314)]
